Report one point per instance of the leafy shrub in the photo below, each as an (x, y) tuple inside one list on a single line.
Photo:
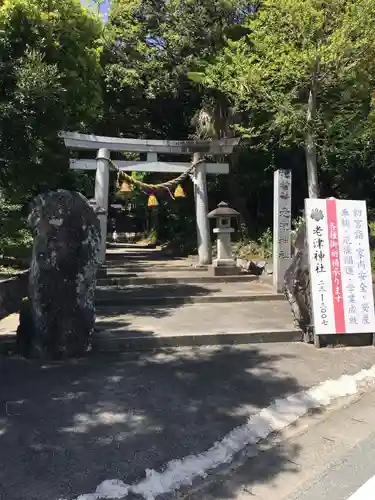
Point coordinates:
[(15, 237), (255, 249)]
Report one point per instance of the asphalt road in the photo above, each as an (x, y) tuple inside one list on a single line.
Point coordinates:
[(351, 477), (66, 427)]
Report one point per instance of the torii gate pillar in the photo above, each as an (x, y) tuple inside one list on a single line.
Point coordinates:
[(201, 212), (101, 196)]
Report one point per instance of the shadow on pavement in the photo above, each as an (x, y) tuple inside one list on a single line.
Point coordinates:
[(115, 307), (134, 298), (65, 427), (140, 256)]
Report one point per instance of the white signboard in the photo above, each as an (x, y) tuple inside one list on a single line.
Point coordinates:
[(340, 266), (282, 225)]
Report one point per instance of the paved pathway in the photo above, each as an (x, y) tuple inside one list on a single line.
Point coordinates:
[(198, 318), (65, 427), (351, 477), (167, 320)]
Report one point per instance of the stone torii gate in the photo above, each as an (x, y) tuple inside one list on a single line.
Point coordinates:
[(104, 146)]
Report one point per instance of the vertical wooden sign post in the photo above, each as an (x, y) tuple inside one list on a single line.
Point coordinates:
[(340, 267), (282, 226)]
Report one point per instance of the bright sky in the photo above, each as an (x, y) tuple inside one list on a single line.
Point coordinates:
[(104, 6)]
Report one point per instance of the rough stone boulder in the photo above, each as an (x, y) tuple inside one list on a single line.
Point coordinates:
[(58, 318), (297, 285)]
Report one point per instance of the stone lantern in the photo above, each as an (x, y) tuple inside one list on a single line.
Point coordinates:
[(224, 265)]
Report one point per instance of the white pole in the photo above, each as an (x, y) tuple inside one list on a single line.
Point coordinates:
[(101, 195), (282, 226), (201, 211)]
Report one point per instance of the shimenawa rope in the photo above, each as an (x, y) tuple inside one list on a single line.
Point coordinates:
[(153, 187)]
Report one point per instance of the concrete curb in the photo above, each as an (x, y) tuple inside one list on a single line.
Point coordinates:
[(108, 341)]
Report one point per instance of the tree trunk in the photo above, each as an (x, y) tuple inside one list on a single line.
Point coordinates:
[(297, 277), (237, 200), (310, 147), (216, 123)]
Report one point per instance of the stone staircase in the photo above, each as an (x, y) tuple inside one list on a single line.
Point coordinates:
[(148, 300)]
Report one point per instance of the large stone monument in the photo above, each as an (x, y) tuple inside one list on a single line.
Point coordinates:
[(58, 318)]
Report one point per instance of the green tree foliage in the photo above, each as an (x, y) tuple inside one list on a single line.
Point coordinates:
[(150, 49), (49, 81), (304, 76), (291, 76)]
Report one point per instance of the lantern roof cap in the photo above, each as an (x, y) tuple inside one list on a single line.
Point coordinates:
[(223, 210)]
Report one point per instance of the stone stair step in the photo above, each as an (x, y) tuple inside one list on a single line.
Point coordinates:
[(155, 267), (126, 328), (148, 326), (213, 299), (143, 270), (137, 257), (203, 277), (122, 245), (125, 343), (119, 266), (119, 259), (180, 293)]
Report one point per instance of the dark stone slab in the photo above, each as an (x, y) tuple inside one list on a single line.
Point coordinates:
[(58, 318), (257, 267), (253, 267), (12, 291)]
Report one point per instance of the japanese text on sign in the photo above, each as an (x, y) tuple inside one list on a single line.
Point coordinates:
[(283, 213), (339, 257), (282, 220)]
